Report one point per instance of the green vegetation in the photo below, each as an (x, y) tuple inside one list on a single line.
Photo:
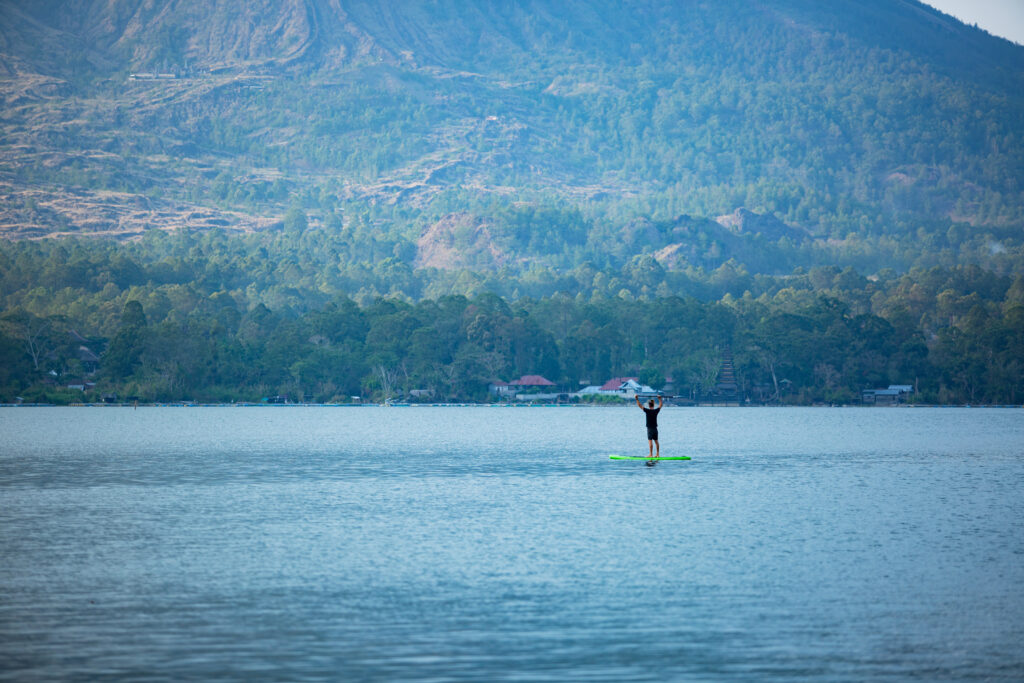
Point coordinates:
[(184, 320), (372, 198), (808, 111)]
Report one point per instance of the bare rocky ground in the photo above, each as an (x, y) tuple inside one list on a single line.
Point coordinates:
[(36, 213)]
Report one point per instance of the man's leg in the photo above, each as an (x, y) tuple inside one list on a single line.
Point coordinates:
[(650, 448), (658, 444)]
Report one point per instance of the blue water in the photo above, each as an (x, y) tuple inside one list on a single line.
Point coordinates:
[(303, 543)]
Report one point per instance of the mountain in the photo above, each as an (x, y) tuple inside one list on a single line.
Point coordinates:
[(325, 198), (881, 122)]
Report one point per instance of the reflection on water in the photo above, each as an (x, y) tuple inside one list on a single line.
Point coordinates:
[(493, 543)]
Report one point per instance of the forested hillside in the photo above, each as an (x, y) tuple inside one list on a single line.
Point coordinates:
[(649, 169), (214, 319), (876, 118)]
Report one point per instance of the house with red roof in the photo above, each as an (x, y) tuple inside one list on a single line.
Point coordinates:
[(614, 385), (532, 381)]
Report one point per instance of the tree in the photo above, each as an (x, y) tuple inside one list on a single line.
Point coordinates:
[(388, 378), (295, 220), (34, 333), (651, 376), (125, 349)]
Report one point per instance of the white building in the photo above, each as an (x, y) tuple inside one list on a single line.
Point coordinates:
[(623, 387)]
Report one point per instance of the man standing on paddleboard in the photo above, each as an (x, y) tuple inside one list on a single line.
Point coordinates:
[(652, 424)]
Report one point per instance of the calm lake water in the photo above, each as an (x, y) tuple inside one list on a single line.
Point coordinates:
[(318, 543)]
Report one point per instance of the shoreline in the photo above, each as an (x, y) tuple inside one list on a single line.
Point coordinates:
[(185, 404)]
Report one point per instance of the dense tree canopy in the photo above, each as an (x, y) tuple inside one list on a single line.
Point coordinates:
[(181, 319)]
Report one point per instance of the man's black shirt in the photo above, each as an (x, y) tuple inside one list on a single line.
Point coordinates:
[(652, 417)]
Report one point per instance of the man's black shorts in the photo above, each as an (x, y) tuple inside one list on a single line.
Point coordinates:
[(652, 433)]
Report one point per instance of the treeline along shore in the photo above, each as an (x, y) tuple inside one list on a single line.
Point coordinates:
[(84, 320)]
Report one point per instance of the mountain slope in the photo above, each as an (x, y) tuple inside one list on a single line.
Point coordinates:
[(489, 36), (876, 118)]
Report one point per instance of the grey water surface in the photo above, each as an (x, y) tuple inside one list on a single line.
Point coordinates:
[(329, 543)]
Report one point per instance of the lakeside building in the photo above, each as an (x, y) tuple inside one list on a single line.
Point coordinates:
[(528, 385), (622, 387), (530, 381), (894, 395), (536, 387), (500, 388)]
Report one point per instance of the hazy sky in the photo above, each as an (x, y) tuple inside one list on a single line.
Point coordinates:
[(999, 17)]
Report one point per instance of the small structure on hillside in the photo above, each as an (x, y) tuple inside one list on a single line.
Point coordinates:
[(152, 76), (88, 350), (727, 389)]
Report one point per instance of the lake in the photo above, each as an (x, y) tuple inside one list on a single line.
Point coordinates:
[(486, 543)]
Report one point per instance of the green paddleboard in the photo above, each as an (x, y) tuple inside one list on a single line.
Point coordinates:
[(636, 457)]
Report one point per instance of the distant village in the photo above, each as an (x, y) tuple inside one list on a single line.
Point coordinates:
[(538, 388), (532, 388), (528, 389)]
